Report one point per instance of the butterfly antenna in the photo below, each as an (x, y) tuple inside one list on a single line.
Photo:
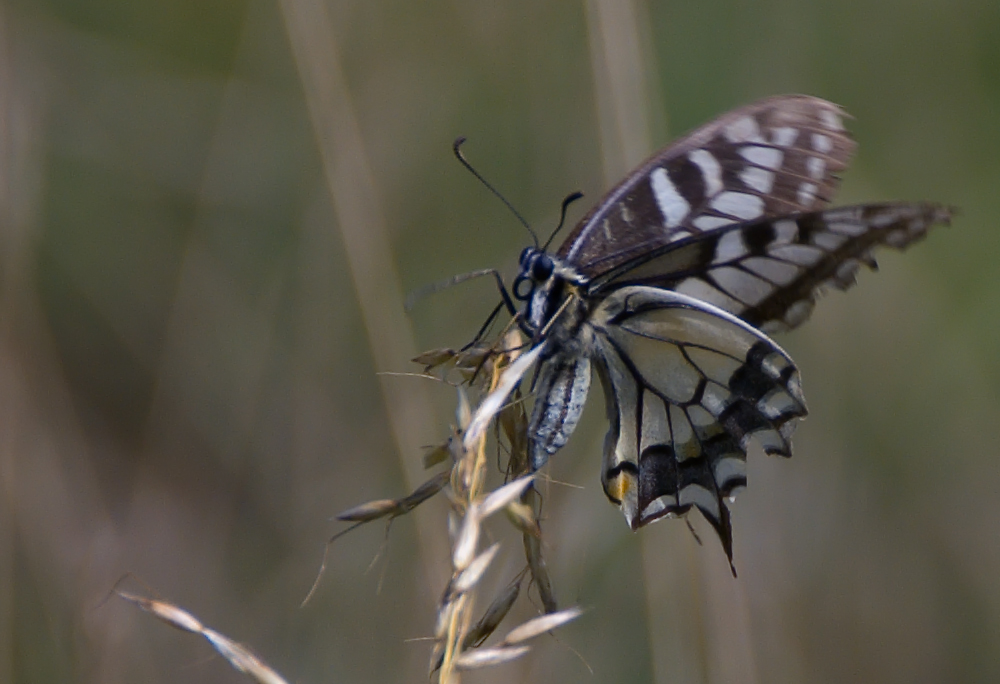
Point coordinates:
[(562, 217), (457, 149)]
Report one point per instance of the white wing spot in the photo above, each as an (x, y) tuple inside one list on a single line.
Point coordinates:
[(777, 403), (768, 157), (807, 194), (680, 235), (700, 497), (882, 219), (848, 228), (699, 417), (758, 179), (784, 136), (803, 255), (745, 287), (816, 167), (739, 204), (672, 205), (658, 505), (728, 469), (828, 241), (711, 172), (772, 441), (685, 444), (734, 492), (699, 289), (785, 231), (778, 272), (773, 327), (798, 312), (822, 143), (831, 120), (710, 222), (729, 247), (715, 399), (744, 129), (847, 271), (774, 364), (898, 238)]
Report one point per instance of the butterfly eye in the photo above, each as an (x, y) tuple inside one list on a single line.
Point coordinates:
[(542, 268)]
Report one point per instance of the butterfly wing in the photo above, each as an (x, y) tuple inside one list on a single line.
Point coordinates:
[(774, 157), (686, 386), (769, 272)]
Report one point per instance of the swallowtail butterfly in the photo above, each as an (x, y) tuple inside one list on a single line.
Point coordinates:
[(670, 287)]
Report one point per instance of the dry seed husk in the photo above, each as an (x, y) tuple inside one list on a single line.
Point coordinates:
[(372, 510), (468, 538), (469, 362), (541, 625), (463, 411), (522, 516), (505, 495), (437, 454), (433, 358), (477, 568), (242, 659), (169, 613), (495, 400), (238, 655), (437, 657), (539, 572), (514, 422), (488, 657), (425, 491), (493, 616)]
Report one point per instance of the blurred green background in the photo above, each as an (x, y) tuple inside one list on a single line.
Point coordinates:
[(210, 209)]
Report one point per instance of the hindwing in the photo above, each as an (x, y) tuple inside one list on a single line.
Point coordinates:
[(777, 156), (686, 386)]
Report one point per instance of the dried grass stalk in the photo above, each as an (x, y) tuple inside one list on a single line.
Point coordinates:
[(239, 656)]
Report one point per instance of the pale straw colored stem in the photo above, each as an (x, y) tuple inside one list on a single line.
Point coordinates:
[(368, 251)]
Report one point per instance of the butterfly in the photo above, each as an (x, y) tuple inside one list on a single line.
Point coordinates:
[(669, 289)]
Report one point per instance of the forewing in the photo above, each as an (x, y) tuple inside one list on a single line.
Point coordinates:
[(770, 272), (777, 156), (686, 386)]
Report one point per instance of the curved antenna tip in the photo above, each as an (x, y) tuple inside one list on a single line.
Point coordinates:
[(456, 148)]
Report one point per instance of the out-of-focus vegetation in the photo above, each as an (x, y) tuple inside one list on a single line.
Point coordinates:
[(188, 387)]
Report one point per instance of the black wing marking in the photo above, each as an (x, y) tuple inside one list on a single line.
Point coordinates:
[(770, 272), (777, 156), (686, 387)]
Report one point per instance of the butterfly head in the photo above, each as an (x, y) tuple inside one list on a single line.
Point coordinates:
[(542, 285)]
